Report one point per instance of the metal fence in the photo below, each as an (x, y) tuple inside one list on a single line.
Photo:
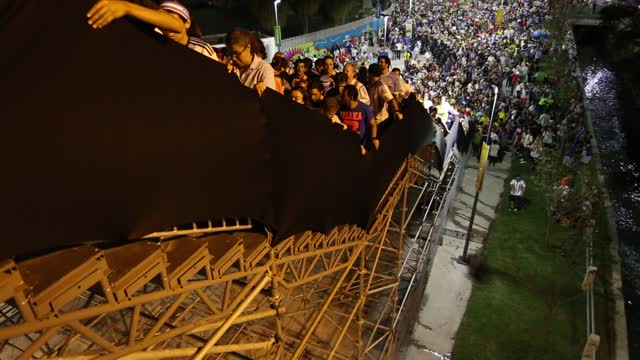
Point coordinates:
[(438, 195)]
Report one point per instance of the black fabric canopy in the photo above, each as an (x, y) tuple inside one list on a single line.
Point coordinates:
[(111, 134)]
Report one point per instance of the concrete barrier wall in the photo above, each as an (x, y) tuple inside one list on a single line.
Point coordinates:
[(331, 35)]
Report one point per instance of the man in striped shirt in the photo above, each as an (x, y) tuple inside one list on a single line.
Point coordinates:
[(202, 47), (172, 19)]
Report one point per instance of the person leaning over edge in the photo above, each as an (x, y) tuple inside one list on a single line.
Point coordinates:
[(103, 12), (381, 100), (252, 70), (172, 18), (359, 118)]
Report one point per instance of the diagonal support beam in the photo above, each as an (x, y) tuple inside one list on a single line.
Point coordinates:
[(204, 350), (93, 336), (296, 355), (36, 345)]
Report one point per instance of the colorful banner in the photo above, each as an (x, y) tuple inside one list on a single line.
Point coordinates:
[(322, 46), (484, 155), (499, 16), (408, 28)]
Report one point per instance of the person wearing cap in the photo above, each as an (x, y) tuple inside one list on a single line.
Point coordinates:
[(381, 99), (252, 70), (172, 18)]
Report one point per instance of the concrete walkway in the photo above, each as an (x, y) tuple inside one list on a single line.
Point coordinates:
[(449, 286)]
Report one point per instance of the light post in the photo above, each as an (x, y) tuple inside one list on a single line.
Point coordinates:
[(463, 258), (276, 29), (385, 30)]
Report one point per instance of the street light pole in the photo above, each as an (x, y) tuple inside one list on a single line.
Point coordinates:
[(385, 30), (276, 31), (464, 259)]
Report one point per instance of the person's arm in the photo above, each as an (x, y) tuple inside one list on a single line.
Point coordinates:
[(105, 11), (396, 109), (374, 134), (371, 121), (393, 103), (267, 80)]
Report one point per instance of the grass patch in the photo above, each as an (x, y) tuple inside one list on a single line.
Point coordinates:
[(528, 304)]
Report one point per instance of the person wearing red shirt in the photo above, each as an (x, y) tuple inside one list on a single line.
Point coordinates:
[(358, 117)]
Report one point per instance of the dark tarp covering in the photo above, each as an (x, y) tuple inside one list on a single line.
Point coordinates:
[(319, 176), (115, 133)]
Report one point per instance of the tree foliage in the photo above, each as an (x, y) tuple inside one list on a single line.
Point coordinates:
[(558, 23), (306, 8), (622, 23), (265, 14), (338, 10), (622, 13)]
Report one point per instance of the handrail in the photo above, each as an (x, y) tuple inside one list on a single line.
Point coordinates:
[(589, 272), (591, 317)]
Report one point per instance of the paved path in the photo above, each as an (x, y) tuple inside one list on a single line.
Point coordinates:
[(449, 287)]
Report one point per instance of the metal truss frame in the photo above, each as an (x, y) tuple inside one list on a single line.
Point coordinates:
[(206, 294)]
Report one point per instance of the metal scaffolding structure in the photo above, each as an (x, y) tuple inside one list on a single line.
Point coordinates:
[(212, 292)]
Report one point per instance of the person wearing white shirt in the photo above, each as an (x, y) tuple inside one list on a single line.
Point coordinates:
[(518, 187), (352, 72)]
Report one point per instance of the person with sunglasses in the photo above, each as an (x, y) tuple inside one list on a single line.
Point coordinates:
[(252, 70), (172, 19)]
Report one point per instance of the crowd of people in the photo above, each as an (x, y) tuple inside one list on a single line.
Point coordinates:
[(454, 53), (457, 52)]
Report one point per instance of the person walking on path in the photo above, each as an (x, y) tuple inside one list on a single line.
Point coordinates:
[(517, 193)]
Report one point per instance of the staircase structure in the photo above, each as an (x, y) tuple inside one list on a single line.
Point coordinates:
[(220, 290)]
